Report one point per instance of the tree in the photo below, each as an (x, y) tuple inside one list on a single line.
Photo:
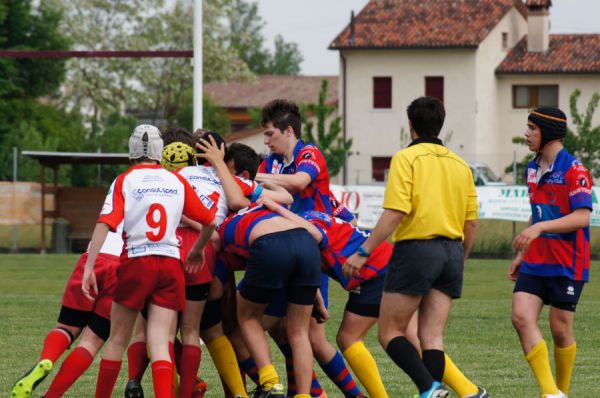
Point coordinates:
[(583, 142), (26, 121), (214, 117), (336, 149), (245, 37), (105, 85)]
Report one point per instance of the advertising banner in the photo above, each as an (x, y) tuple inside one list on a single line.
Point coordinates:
[(507, 202)]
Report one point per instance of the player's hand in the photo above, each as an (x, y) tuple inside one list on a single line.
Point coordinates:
[(320, 313), (524, 239), (194, 261), (353, 265), (89, 287), (515, 265), (268, 203), (212, 152)]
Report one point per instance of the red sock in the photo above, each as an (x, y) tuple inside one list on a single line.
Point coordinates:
[(191, 356), (176, 351), (107, 377), (162, 377), (137, 360), (78, 361), (55, 344)]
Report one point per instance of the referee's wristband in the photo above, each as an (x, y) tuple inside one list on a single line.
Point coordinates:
[(362, 252)]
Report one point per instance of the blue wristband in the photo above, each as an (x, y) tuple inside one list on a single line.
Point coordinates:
[(362, 252)]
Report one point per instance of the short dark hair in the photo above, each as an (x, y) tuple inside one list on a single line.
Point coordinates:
[(244, 159), (205, 134), (177, 134), (282, 113), (426, 114)]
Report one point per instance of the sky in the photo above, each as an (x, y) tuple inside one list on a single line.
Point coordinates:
[(313, 24)]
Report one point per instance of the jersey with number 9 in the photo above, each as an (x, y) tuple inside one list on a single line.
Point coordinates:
[(150, 201)]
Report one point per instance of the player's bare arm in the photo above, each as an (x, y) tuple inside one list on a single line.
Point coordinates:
[(88, 281), (195, 259), (191, 223), (276, 193), (215, 155), (469, 231), (579, 218), (293, 183), (388, 221)]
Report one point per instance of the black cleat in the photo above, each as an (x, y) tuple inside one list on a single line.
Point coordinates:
[(275, 392), (133, 389)]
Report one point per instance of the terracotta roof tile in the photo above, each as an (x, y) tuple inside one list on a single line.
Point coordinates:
[(424, 23), (300, 89), (567, 53), (240, 135)]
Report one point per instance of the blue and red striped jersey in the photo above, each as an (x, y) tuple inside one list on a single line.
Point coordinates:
[(340, 241), (308, 159), (235, 230), (565, 187)]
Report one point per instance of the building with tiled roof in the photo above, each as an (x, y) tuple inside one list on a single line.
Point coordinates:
[(489, 61), (566, 54), (239, 98)]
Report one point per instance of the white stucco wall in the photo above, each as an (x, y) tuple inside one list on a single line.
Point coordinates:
[(513, 121), (376, 132), (487, 121)]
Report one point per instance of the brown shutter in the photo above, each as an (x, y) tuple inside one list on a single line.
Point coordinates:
[(434, 87), (382, 92)]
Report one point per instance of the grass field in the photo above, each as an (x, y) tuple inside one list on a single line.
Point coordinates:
[(480, 337)]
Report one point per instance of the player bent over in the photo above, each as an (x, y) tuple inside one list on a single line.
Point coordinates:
[(278, 255), (76, 313), (150, 201)]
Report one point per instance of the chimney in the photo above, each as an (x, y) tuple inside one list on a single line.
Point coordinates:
[(538, 25)]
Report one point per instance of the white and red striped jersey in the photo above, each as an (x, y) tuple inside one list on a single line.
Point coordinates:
[(150, 200), (205, 180)]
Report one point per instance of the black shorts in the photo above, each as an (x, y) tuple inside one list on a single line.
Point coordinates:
[(365, 301), (288, 259), (197, 292), (417, 266), (558, 291)]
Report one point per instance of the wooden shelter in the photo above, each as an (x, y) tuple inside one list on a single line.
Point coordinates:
[(79, 206)]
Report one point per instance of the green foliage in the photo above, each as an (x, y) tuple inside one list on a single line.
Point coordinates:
[(583, 142), (336, 149), (213, 117), (245, 37), (24, 26), (31, 125)]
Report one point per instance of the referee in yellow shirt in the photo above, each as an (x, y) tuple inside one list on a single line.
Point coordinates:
[(430, 205)]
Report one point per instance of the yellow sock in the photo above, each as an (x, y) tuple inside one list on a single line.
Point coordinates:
[(223, 356), (362, 363), (267, 376), (456, 380), (302, 396), (540, 364), (564, 360)]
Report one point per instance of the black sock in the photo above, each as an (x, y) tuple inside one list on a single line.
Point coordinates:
[(407, 358), (435, 362)]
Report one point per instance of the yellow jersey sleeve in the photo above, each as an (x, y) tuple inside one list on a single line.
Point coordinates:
[(472, 204), (398, 191)]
